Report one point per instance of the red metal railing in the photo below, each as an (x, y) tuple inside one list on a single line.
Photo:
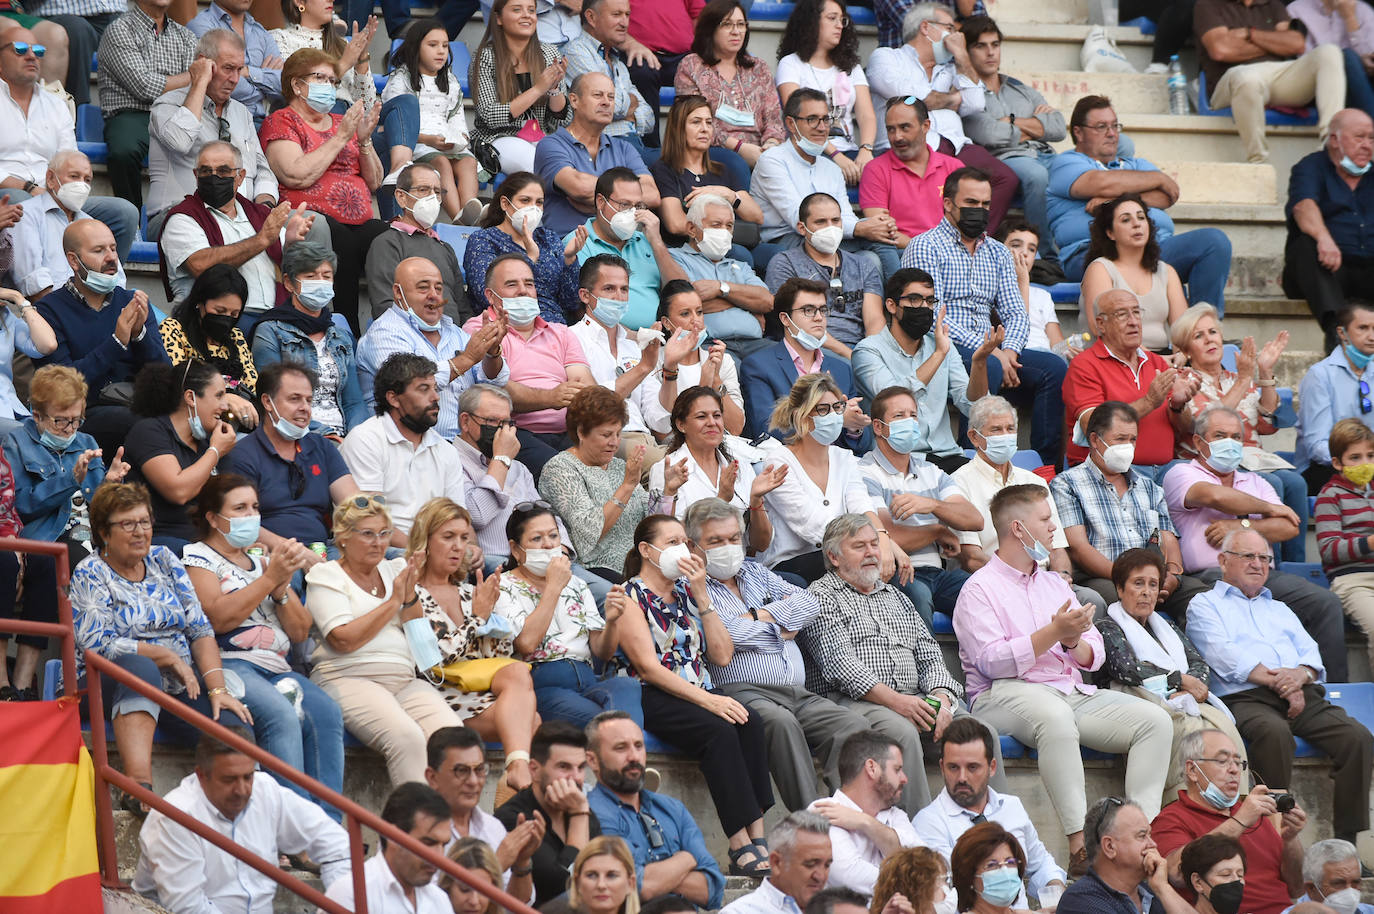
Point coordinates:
[(98, 667)]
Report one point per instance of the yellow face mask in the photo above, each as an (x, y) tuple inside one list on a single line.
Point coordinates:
[(1360, 474)]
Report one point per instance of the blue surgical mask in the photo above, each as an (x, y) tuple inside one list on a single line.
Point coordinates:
[(1000, 886), (521, 309), (197, 427), (49, 440), (904, 435), (942, 54), (1350, 168), (288, 430), (104, 283), (609, 311), (316, 294), (825, 429), (806, 340), (321, 97), (243, 531), (1225, 456), (810, 147), (1357, 358), (419, 321), (1213, 795), (999, 448), (1037, 550)]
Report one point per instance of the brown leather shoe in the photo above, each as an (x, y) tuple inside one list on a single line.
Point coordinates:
[(1078, 864)]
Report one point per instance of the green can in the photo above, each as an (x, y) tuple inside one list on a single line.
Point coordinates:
[(933, 702), (257, 551), (318, 549)]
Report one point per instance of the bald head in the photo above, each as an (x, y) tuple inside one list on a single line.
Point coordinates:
[(418, 286), (16, 70), (83, 233), (1350, 142), (1351, 119), (593, 100)]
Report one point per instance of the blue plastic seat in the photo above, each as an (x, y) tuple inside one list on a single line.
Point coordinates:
[(1064, 292), (943, 624), (1272, 116), (771, 11), (455, 236), (862, 15), (460, 58), (90, 134), (1311, 571), (1027, 460), (666, 96)]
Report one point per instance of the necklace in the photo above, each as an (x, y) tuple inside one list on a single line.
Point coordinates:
[(373, 589)]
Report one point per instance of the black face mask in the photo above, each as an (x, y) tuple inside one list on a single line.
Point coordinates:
[(418, 424), (973, 221), (218, 327), (214, 190), (1226, 897), (916, 322), (486, 437)]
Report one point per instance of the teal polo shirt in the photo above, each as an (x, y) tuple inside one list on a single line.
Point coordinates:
[(645, 279)]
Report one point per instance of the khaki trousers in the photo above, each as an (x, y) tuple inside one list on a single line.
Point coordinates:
[(1212, 718), (1356, 591), (1318, 75)]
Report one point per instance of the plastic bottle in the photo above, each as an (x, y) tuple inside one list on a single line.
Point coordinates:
[(1072, 344), (1178, 87)]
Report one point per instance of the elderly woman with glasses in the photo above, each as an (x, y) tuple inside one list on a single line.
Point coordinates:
[(359, 604), (133, 604)]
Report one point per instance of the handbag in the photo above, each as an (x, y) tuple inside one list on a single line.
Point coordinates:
[(474, 675), (531, 132)]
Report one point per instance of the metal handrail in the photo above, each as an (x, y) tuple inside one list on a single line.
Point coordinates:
[(98, 666)]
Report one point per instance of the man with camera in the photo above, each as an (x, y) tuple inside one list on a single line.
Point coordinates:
[(1214, 771), (1268, 671)]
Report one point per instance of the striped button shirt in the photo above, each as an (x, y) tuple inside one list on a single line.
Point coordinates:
[(1113, 524), (136, 57), (862, 640), (762, 655), (971, 285), (1345, 521)]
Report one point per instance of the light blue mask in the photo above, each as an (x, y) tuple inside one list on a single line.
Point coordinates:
[(1213, 795), (609, 311), (1037, 550), (1000, 886), (521, 309), (197, 427), (243, 531), (423, 643), (904, 435), (321, 97), (104, 283), (1357, 358), (1225, 456), (825, 429), (288, 430), (999, 448), (808, 341), (49, 440), (1350, 168), (810, 147), (942, 54), (315, 294)]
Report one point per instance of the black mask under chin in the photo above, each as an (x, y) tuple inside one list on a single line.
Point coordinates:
[(417, 424), (486, 438), (973, 221), (916, 322), (214, 190), (1226, 897)]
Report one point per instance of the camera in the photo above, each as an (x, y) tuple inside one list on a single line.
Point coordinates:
[(1285, 802)]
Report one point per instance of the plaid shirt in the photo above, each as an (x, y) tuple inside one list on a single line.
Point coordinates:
[(1085, 498), (762, 655), (50, 8), (863, 640), (136, 58), (587, 55), (971, 286)]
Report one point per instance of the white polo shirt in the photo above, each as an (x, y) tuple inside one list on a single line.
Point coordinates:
[(383, 460)]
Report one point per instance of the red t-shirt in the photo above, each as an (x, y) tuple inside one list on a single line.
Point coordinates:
[(1182, 821), (665, 25), (1096, 376)]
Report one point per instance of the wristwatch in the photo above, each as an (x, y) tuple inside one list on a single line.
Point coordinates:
[(724, 290), (502, 458), (1245, 523)]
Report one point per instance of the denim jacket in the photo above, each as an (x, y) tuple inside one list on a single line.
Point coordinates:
[(275, 341), (43, 480)]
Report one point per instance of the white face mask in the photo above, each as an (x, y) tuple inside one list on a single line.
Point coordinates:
[(715, 243), (73, 195), (530, 216), (724, 562), (426, 210), (1119, 457), (1346, 901), (669, 558), (949, 904), (537, 560), (827, 240), (624, 224)]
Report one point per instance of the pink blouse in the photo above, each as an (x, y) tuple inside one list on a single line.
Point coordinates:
[(752, 90)]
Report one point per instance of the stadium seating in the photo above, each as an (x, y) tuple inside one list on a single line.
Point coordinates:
[(1276, 117)]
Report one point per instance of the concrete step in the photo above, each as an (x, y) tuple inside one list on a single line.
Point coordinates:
[(1060, 12), (1222, 182), (1030, 46), (1131, 93)]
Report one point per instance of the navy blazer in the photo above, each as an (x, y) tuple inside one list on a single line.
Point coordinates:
[(768, 375)]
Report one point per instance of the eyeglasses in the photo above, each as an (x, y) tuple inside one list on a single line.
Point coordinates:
[(1226, 761), (1365, 405), (816, 120), (416, 193), (463, 772), (1264, 558), (825, 409), (321, 79), (64, 423), (734, 25), (22, 49), (919, 301), (296, 476), (812, 310), (362, 502), (1121, 315), (130, 526), (492, 423), (224, 171), (537, 504), (620, 207), (373, 536), (652, 830), (832, 18), (1113, 127), (223, 125)]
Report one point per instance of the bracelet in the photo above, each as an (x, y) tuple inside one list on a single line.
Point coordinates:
[(525, 870), (1267, 382), (669, 375), (621, 504), (411, 602), (1176, 409), (218, 455), (218, 669), (280, 601), (738, 145), (569, 815), (218, 691), (1069, 647), (755, 507)]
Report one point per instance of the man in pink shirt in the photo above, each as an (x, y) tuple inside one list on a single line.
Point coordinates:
[(907, 182), (1025, 642), (546, 362), (1211, 496)]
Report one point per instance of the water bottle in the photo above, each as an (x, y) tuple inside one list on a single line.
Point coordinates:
[(1178, 87), (1072, 344)]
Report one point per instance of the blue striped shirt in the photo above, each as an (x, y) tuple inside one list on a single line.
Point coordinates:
[(1114, 524), (971, 285), (762, 655)]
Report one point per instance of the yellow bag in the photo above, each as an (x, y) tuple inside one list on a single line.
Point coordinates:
[(475, 675)]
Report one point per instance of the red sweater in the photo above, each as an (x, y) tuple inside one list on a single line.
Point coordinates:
[(1345, 520)]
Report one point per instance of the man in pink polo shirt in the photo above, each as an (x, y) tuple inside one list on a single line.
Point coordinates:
[(907, 181), (1210, 496), (1025, 643), (546, 362)]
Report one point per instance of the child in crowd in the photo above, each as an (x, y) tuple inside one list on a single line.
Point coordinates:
[(1024, 243), (421, 66), (1345, 523)]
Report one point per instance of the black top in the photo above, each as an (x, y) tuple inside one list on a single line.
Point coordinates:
[(553, 860), (679, 184), (151, 438)]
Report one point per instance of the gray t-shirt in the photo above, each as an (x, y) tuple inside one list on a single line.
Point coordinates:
[(856, 277)]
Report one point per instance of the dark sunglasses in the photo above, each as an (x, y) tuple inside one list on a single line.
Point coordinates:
[(1365, 405), (22, 48)]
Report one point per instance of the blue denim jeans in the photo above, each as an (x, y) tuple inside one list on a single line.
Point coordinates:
[(313, 744), (120, 699), (1042, 382), (570, 690), (1358, 91), (933, 588), (1033, 173), (399, 125), (1292, 491)]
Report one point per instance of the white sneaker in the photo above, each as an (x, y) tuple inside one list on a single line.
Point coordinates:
[(390, 180), (1157, 69)]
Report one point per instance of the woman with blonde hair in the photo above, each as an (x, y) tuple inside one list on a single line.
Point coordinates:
[(603, 878), (919, 875), (359, 604), (471, 622), (823, 481), (477, 857)]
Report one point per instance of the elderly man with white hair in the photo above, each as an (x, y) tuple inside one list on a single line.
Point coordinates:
[(734, 298), (799, 858), (1269, 672), (992, 429), (40, 264), (869, 650), (1331, 872)]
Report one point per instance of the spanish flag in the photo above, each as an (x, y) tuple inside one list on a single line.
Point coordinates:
[(47, 811)]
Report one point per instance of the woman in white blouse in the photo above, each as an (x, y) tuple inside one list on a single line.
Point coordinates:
[(698, 419), (363, 661), (684, 363), (310, 24), (822, 482)]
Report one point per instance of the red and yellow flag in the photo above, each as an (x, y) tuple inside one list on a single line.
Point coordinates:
[(47, 811)]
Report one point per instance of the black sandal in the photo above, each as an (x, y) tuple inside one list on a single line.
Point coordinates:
[(756, 868), (126, 801)]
